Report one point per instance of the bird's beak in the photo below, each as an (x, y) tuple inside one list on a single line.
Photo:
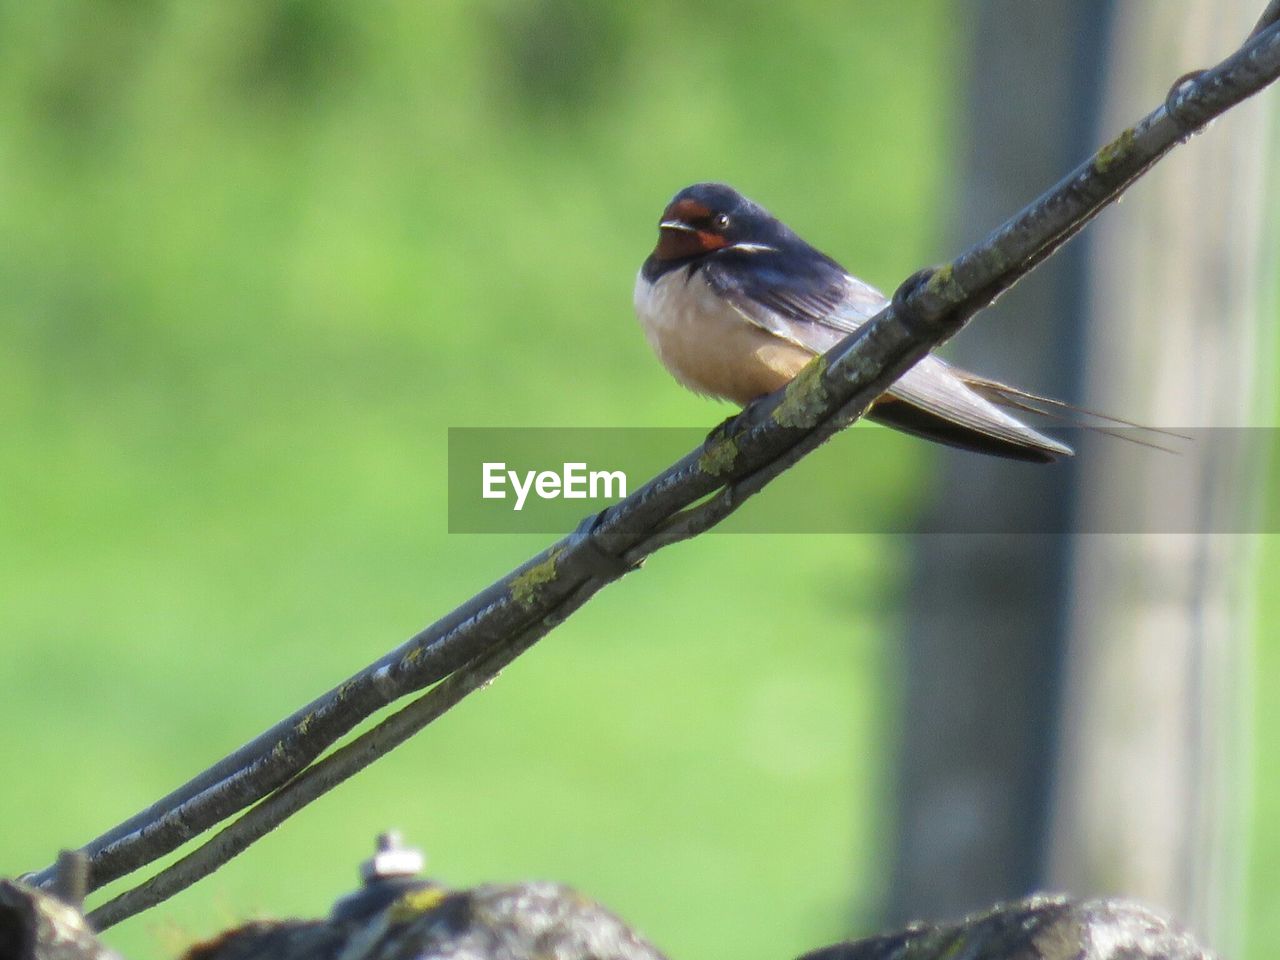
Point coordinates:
[(678, 238)]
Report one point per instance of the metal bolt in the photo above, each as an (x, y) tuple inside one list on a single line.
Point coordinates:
[(391, 860)]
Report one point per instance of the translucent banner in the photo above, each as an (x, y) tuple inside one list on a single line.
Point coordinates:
[(874, 480)]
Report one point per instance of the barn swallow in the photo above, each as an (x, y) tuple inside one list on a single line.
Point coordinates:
[(734, 303)]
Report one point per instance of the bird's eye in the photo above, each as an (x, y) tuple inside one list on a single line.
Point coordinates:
[(721, 221)]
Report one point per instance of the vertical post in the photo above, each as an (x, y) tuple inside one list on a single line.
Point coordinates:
[(1148, 802), (986, 613)]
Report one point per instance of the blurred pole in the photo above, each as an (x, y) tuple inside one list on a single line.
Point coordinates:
[(986, 613), (1151, 791)]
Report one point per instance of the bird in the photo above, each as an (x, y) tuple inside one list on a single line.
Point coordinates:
[(735, 303)]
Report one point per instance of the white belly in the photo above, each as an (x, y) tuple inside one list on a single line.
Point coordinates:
[(707, 345)]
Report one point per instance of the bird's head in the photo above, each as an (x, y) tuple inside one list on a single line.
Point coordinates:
[(707, 217)]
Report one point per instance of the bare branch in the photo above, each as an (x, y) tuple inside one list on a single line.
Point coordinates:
[(1269, 16), (702, 488), (317, 780)]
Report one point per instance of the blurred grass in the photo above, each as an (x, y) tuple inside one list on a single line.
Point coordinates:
[(255, 258)]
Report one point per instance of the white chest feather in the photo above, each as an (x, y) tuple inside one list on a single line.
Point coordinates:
[(707, 345)]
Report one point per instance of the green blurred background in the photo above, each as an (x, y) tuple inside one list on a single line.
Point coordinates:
[(255, 258)]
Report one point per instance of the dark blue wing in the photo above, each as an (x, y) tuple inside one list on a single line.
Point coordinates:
[(808, 300), (812, 302)]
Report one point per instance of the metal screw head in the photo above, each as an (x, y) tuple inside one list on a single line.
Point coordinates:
[(391, 860)]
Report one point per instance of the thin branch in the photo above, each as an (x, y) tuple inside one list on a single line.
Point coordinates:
[(738, 460), (319, 779), (1269, 16)]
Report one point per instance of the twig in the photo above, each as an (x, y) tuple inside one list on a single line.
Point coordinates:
[(1269, 16), (743, 456), (319, 779)]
